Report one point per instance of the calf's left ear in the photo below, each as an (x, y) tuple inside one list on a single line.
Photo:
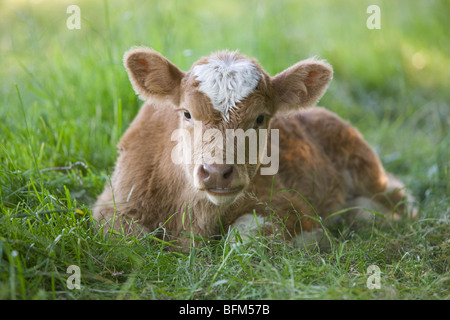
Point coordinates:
[(301, 85), (153, 76)]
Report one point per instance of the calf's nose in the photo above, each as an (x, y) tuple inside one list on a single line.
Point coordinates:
[(216, 175)]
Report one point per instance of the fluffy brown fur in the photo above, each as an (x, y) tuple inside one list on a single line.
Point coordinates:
[(325, 164)]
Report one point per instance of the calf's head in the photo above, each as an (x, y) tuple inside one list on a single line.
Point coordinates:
[(224, 104)]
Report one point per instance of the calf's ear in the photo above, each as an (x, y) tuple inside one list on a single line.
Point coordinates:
[(301, 85), (152, 75)]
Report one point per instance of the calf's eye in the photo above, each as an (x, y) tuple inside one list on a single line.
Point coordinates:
[(260, 120), (187, 115)]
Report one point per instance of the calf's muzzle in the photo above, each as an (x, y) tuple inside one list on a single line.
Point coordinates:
[(218, 178)]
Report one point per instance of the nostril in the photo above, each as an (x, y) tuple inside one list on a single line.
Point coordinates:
[(228, 171), (203, 172)]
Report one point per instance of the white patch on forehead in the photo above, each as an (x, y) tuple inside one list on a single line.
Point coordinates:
[(227, 79)]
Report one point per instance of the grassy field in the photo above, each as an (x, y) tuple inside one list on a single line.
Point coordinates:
[(65, 98)]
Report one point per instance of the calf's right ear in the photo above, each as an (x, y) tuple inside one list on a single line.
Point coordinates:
[(152, 75)]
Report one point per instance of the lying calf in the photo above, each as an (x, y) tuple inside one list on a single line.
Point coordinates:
[(225, 144)]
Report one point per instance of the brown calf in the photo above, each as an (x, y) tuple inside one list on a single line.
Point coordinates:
[(195, 161)]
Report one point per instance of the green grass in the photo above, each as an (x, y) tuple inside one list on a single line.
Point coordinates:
[(65, 97)]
